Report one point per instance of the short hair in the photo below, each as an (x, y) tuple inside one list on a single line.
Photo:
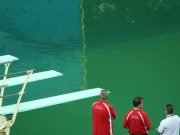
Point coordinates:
[(137, 101), (169, 109), (104, 94)]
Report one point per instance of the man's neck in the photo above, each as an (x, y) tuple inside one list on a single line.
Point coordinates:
[(136, 108), (169, 115), (103, 100)]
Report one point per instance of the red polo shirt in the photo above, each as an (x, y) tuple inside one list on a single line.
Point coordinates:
[(137, 121), (102, 114)]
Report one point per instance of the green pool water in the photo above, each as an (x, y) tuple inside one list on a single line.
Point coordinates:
[(130, 48)]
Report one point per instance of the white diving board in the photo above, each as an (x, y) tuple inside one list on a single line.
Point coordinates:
[(34, 77), (50, 101), (7, 59)]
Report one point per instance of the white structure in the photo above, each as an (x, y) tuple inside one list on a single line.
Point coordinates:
[(5, 124)]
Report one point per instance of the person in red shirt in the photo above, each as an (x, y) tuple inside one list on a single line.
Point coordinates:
[(136, 120), (102, 115)]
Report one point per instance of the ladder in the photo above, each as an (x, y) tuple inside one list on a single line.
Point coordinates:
[(23, 80)]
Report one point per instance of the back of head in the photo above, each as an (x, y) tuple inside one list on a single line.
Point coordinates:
[(137, 101), (169, 109), (104, 94)]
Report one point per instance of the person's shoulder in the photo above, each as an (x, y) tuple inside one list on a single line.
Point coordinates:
[(129, 111), (143, 112), (95, 103), (163, 121), (108, 104), (177, 117)]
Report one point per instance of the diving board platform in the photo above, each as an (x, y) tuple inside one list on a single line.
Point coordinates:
[(34, 77), (50, 101), (7, 59)]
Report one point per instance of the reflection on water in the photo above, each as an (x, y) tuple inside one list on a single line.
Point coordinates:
[(124, 20), (159, 4), (106, 7)]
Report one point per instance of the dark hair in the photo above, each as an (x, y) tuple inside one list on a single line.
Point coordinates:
[(169, 109), (137, 101)]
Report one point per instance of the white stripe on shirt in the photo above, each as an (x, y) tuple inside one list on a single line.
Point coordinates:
[(143, 121), (110, 121), (129, 115)]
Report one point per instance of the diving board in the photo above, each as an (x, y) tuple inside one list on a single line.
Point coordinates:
[(50, 101), (34, 77), (5, 124), (7, 59)]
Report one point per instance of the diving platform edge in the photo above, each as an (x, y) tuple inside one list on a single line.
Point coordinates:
[(51, 101)]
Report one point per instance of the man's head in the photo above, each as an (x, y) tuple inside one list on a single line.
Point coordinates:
[(104, 94), (169, 109), (138, 102)]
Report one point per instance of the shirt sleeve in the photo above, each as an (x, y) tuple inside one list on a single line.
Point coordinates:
[(113, 113), (125, 122), (161, 127), (147, 121)]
